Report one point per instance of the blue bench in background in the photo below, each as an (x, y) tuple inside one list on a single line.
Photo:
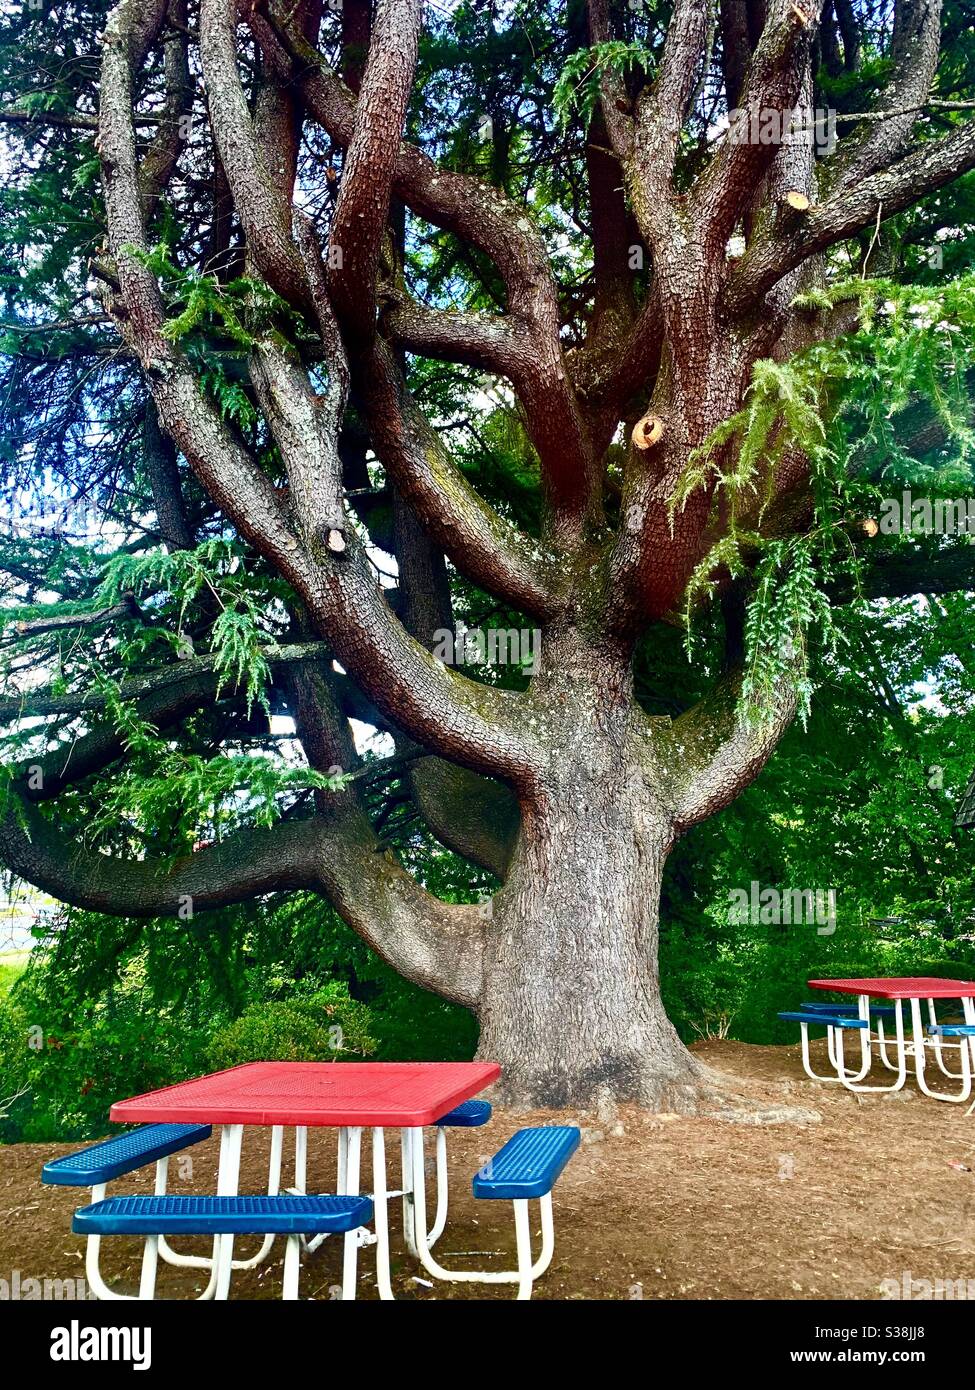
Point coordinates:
[(823, 1020), (876, 1010), (468, 1115)]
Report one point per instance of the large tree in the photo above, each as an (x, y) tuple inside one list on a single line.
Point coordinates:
[(326, 235)]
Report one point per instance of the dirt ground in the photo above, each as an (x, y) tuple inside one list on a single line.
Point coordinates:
[(652, 1206)]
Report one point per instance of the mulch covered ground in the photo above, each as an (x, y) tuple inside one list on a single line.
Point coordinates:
[(652, 1206)]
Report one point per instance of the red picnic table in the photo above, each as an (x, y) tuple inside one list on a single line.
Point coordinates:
[(913, 988), (343, 1095)]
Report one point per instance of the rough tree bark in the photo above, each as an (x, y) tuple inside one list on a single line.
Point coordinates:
[(570, 791)]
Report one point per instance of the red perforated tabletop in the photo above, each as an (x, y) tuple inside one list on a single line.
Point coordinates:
[(909, 987), (314, 1093)]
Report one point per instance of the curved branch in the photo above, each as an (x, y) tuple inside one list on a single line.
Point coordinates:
[(660, 116), (244, 865), (264, 212), (486, 341), (489, 220), (915, 47), (716, 753), (477, 725), (775, 79), (930, 166), (42, 778), (484, 545), (361, 218), (437, 945), (160, 159)]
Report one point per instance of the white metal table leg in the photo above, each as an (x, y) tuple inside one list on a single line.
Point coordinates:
[(476, 1276), (311, 1243), (350, 1187), (882, 1047), (381, 1215), (273, 1188), (968, 1010), (228, 1179), (523, 1239), (938, 1046), (919, 1061), (301, 1158), (866, 1056), (852, 1082), (150, 1257), (440, 1220), (342, 1158), (92, 1250), (292, 1266), (406, 1158)]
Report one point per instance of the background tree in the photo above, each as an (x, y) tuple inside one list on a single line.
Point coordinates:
[(597, 365)]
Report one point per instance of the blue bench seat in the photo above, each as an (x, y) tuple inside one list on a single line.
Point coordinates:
[(284, 1215), (114, 1157), (830, 1020), (529, 1164), (468, 1115), (876, 1010), (953, 1030)]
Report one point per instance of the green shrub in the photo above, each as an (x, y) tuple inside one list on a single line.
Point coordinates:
[(14, 1057), (326, 1026), (73, 1074)]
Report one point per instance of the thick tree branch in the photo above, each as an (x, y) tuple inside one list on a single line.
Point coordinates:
[(482, 215), (774, 82), (242, 866), (38, 705), (716, 752), (163, 153), (484, 545), (915, 45), (930, 166), (361, 218), (476, 724)]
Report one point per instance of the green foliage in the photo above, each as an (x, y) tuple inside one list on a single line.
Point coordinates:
[(839, 403), (327, 1026), (240, 309), (239, 632), (862, 802), (577, 89), (70, 1077), (121, 1007), (193, 795), (787, 604)]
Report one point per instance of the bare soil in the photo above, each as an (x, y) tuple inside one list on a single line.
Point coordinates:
[(652, 1206)]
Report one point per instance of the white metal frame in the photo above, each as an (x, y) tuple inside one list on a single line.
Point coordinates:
[(222, 1263), (854, 1083), (964, 1046), (415, 1218), (916, 1046), (834, 1052)]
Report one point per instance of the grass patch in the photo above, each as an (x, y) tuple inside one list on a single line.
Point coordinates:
[(12, 966)]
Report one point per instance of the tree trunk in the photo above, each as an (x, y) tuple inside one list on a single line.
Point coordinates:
[(571, 1003)]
